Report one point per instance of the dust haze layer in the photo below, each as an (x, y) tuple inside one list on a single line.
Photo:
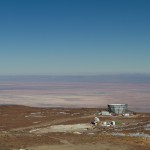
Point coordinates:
[(77, 91)]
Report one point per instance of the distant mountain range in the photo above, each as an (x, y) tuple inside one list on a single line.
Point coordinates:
[(118, 78)]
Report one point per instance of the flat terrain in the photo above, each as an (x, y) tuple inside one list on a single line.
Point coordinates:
[(76, 94), (32, 128)]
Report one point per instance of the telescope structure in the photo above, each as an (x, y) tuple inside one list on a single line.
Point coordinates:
[(118, 108)]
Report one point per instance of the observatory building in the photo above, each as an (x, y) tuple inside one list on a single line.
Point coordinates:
[(117, 108)]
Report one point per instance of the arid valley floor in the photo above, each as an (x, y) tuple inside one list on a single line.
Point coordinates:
[(30, 128), (61, 109)]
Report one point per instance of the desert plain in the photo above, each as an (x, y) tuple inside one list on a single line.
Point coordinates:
[(44, 115), (75, 94)]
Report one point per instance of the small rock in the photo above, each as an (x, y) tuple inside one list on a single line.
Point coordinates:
[(77, 132)]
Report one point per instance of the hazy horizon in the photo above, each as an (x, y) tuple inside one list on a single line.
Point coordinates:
[(102, 78), (76, 91)]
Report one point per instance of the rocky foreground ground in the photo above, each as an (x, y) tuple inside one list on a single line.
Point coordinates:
[(28, 128)]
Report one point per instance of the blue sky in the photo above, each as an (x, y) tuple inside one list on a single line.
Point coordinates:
[(44, 37)]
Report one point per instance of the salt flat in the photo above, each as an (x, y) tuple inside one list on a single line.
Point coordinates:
[(76, 94)]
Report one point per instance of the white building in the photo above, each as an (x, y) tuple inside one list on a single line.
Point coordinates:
[(105, 113)]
